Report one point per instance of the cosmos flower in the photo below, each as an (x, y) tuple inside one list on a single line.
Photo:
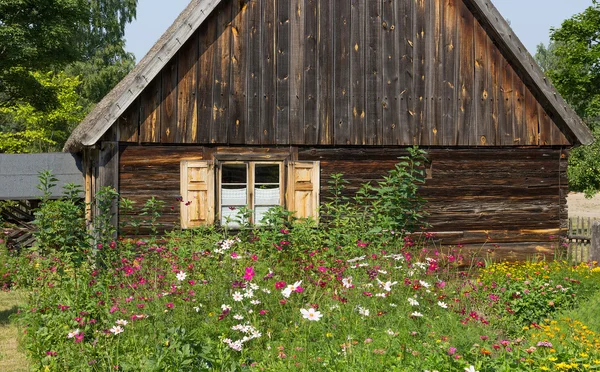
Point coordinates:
[(311, 314)]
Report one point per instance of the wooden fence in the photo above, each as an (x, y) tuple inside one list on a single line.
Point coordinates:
[(580, 237)]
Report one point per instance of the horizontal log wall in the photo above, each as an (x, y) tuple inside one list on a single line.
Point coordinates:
[(147, 171), (332, 72), (516, 198), (512, 198)]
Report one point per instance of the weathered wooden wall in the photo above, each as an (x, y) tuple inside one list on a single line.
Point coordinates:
[(327, 72), (517, 196)]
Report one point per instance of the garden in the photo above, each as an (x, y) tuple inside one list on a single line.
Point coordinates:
[(363, 289)]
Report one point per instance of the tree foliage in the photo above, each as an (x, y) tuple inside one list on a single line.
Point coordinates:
[(34, 130), (57, 59), (572, 62)]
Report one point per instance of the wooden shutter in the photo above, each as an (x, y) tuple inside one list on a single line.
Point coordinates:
[(303, 188), (198, 191)]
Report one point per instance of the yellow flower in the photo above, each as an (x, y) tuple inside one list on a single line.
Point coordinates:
[(552, 359)]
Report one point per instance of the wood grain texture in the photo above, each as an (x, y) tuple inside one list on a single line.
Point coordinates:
[(353, 73), (238, 110)]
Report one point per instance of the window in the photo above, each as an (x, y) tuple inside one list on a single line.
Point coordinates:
[(255, 185), (215, 191)]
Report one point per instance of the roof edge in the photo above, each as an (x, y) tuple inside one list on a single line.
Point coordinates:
[(563, 115), (114, 104)]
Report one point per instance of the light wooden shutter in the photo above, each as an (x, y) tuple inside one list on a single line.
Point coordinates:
[(197, 189), (303, 188)]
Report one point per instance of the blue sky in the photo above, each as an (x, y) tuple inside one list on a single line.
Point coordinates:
[(530, 19)]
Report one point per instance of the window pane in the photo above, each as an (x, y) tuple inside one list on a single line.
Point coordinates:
[(234, 195), (259, 213), (234, 173), (230, 217), (267, 195), (266, 173)]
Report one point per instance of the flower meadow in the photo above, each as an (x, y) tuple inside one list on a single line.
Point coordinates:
[(357, 292), (205, 302)]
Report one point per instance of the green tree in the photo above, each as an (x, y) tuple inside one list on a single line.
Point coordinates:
[(79, 43), (34, 130), (572, 62)]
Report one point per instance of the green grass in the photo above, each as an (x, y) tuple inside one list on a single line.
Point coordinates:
[(586, 312), (11, 358)]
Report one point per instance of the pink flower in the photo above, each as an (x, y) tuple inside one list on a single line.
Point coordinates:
[(79, 338), (280, 285), (249, 274), (322, 269), (254, 257), (299, 289), (170, 305), (452, 351)]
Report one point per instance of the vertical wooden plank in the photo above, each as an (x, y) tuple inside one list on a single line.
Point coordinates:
[(496, 93), (391, 70), (150, 112), (282, 124), (108, 174), (408, 97), (325, 74), (168, 120), (434, 71), (311, 90), (546, 126), (506, 133), (450, 80), (297, 40), (268, 104), (482, 88), (420, 70), (238, 111), (467, 130), (187, 115), (533, 123), (374, 87), (358, 72), (206, 66), (254, 75), (520, 126), (129, 123), (222, 75), (341, 107)]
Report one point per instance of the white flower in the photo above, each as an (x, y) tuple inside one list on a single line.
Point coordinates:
[(425, 284), (413, 302), (291, 288), (238, 317), (382, 272), (470, 369), (237, 346), (416, 314), (121, 322), (347, 282), (387, 286), (254, 287), (255, 302), (197, 309), (393, 305), (181, 276), (116, 330), (311, 314), (249, 293), (266, 290), (73, 333), (362, 311), (442, 304), (225, 307), (380, 295), (237, 296), (390, 332)]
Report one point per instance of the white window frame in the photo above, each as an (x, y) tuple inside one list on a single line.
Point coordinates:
[(251, 183)]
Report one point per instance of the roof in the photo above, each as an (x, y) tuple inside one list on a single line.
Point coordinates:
[(19, 174), (106, 113)]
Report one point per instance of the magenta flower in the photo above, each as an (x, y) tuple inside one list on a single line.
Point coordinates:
[(452, 351), (249, 273), (170, 305), (280, 285)]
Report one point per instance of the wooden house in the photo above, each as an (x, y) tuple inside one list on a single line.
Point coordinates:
[(257, 102)]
